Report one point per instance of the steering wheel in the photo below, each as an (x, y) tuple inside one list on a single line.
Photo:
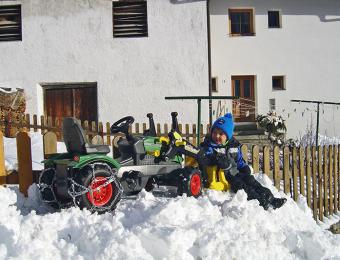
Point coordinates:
[(122, 125)]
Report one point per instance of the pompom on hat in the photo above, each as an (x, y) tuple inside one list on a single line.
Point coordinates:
[(226, 124)]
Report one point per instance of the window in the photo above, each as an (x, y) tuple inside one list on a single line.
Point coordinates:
[(278, 83), (274, 20), (272, 106), (129, 19), (10, 23), (214, 85), (241, 22)]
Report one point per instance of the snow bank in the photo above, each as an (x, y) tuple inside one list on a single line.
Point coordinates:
[(215, 226)]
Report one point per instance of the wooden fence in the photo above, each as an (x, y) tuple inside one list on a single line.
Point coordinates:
[(42, 124), (313, 172)]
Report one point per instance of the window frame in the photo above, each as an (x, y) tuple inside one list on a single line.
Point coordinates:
[(282, 78), (17, 12), (252, 21), (131, 23), (279, 19)]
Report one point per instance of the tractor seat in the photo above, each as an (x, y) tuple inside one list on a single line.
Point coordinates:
[(75, 139)]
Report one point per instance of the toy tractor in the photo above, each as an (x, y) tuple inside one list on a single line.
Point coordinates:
[(87, 178)]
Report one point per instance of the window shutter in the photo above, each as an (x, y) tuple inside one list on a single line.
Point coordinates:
[(10, 23), (130, 19)]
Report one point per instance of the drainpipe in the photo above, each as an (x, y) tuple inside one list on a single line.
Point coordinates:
[(209, 61)]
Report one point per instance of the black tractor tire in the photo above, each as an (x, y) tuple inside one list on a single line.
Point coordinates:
[(190, 182), (47, 178), (103, 200)]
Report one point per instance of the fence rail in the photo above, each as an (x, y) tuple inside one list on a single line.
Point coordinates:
[(313, 172)]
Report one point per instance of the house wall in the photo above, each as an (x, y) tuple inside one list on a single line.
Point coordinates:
[(71, 41), (306, 50)]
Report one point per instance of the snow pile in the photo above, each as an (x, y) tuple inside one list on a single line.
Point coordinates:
[(215, 226)]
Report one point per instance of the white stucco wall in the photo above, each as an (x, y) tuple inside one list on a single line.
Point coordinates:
[(306, 50), (71, 41)]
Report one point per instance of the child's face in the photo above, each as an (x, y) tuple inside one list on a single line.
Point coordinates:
[(218, 136)]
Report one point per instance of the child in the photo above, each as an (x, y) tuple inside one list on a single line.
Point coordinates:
[(223, 150)]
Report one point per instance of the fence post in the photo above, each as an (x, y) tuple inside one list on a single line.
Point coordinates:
[(326, 180), (49, 143), (187, 132), (336, 180), (266, 160), (286, 173), (35, 123), (320, 183), (330, 167), (100, 129), (315, 192), (276, 174), (158, 131), (295, 174), (108, 134), (42, 123), (24, 161), (194, 134), (2, 160), (166, 129), (137, 128), (255, 158), (308, 171), (244, 150), (86, 128), (302, 170), (28, 122)]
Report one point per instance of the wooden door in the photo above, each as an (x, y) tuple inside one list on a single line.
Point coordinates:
[(244, 107), (71, 100)]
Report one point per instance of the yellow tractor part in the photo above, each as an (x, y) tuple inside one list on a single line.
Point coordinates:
[(216, 179)]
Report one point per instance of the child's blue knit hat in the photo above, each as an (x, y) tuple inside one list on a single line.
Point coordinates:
[(226, 124)]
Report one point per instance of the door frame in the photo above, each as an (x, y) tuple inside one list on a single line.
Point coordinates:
[(252, 95)]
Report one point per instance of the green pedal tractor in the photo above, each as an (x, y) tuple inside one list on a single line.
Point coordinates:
[(87, 177)]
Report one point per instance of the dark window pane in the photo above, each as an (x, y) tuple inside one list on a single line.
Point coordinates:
[(214, 85), (277, 82), (245, 28), (273, 19), (245, 18), (235, 17), (246, 88), (237, 88), (235, 28)]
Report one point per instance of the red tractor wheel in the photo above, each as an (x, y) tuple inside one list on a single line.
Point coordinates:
[(191, 182), (102, 196)]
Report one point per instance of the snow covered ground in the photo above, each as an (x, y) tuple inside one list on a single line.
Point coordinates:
[(215, 226)]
